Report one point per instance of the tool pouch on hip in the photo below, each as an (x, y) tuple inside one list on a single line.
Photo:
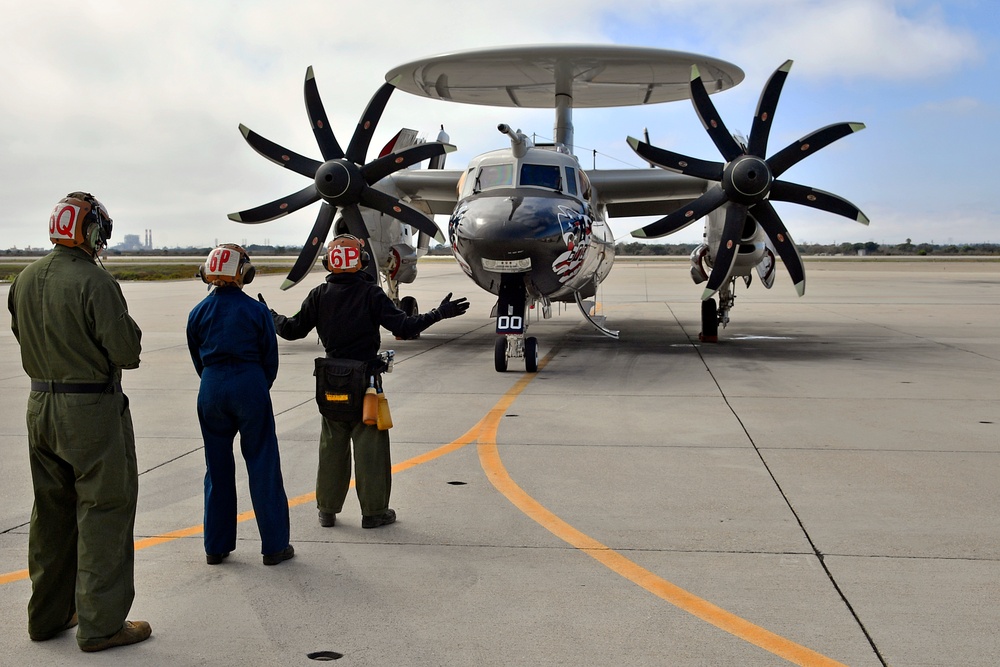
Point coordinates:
[(340, 388)]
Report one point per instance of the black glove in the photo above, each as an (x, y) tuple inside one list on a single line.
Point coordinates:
[(449, 308), (260, 297)]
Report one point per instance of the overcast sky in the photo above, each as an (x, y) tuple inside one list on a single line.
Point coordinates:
[(139, 103)]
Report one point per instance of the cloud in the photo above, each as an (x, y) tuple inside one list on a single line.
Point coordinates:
[(874, 39)]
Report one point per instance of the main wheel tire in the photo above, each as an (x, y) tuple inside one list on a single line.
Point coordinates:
[(409, 306), (709, 322), (531, 355), (500, 354)]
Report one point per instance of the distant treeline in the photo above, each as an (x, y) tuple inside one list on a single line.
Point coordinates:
[(629, 249), (870, 248)]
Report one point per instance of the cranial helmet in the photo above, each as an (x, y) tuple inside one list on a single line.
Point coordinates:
[(345, 254), (227, 264), (80, 220)]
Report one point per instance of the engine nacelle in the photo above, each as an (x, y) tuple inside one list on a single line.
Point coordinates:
[(402, 263)]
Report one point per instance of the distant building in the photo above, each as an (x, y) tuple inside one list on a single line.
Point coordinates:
[(131, 242)]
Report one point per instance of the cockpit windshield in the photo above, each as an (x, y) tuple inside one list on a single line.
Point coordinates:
[(495, 176), (541, 175)]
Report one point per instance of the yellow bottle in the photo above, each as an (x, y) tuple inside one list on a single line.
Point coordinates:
[(369, 408), (384, 418)]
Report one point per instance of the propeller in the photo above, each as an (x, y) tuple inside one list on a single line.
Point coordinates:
[(343, 180), (747, 181)]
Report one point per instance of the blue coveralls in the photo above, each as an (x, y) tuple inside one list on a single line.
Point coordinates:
[(232, 343)]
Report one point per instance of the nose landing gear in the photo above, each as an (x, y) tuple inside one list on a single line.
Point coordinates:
[(514, 346)]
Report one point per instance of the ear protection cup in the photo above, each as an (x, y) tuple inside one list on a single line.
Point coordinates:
[(94, 237), (249, 271)]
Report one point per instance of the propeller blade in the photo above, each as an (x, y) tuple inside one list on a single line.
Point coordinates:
[(355, 222), (681, 164), (378, 169), (761, 129), (389, 205), (278, 207), (806, 146), (280, 155), (684, 216), (710, 118), (729, 245), (328, 145), (768, 219), (312, 248), (824, 201), (357, 151)]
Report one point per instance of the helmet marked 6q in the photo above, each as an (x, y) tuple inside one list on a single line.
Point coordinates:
[(227, 264), (79, 219)]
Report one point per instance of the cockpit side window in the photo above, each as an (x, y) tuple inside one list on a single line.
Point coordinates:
[(571, 180), (585, 184), (541, 175), (494, 176), (465, 184)]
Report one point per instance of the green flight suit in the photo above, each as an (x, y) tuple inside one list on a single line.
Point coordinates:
[(72, 322)]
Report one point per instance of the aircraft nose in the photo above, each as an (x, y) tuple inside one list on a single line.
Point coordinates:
[(510, 224)]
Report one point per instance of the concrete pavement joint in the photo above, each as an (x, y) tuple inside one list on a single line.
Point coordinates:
[(798, 519)]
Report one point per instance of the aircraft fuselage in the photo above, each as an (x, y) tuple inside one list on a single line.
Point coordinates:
[(528, 220)]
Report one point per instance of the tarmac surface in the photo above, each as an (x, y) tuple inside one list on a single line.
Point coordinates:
[(818, 488)]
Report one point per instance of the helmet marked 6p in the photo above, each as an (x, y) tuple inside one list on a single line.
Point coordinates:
[(345, 254), (227, 264)]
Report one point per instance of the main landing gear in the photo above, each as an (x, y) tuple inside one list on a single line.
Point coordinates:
[(713, 315), (510, 346)]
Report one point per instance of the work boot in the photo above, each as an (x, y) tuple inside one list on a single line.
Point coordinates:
[(284, 554), (376, 520), (327, 519), (132, 632), (215, 559), (71, 623)]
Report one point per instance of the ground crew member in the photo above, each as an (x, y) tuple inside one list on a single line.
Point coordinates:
[(232, 343), (347, 311), (76, 336)]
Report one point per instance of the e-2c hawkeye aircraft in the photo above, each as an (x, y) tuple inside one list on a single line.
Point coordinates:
[(527, 223)]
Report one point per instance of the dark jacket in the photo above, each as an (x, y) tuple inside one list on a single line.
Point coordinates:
[(230, 327), (347, 311)]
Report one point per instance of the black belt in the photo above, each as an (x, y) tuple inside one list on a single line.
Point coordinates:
[(84, 388)]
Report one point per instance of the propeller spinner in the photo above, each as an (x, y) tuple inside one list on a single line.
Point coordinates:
[(747, 181), (343, 180)]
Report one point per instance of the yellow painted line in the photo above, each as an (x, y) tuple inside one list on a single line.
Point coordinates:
[(484, 434), (496, 472)]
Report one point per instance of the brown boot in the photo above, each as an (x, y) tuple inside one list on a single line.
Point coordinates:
[(132, 632)]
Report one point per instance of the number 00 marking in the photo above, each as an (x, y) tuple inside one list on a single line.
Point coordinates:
[(509, 322)]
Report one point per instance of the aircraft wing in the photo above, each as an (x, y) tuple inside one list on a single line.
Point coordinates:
[(434, 191), (639, 192)]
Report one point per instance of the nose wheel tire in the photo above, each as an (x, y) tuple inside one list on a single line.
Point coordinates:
[(531, 355), (500, 354)]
